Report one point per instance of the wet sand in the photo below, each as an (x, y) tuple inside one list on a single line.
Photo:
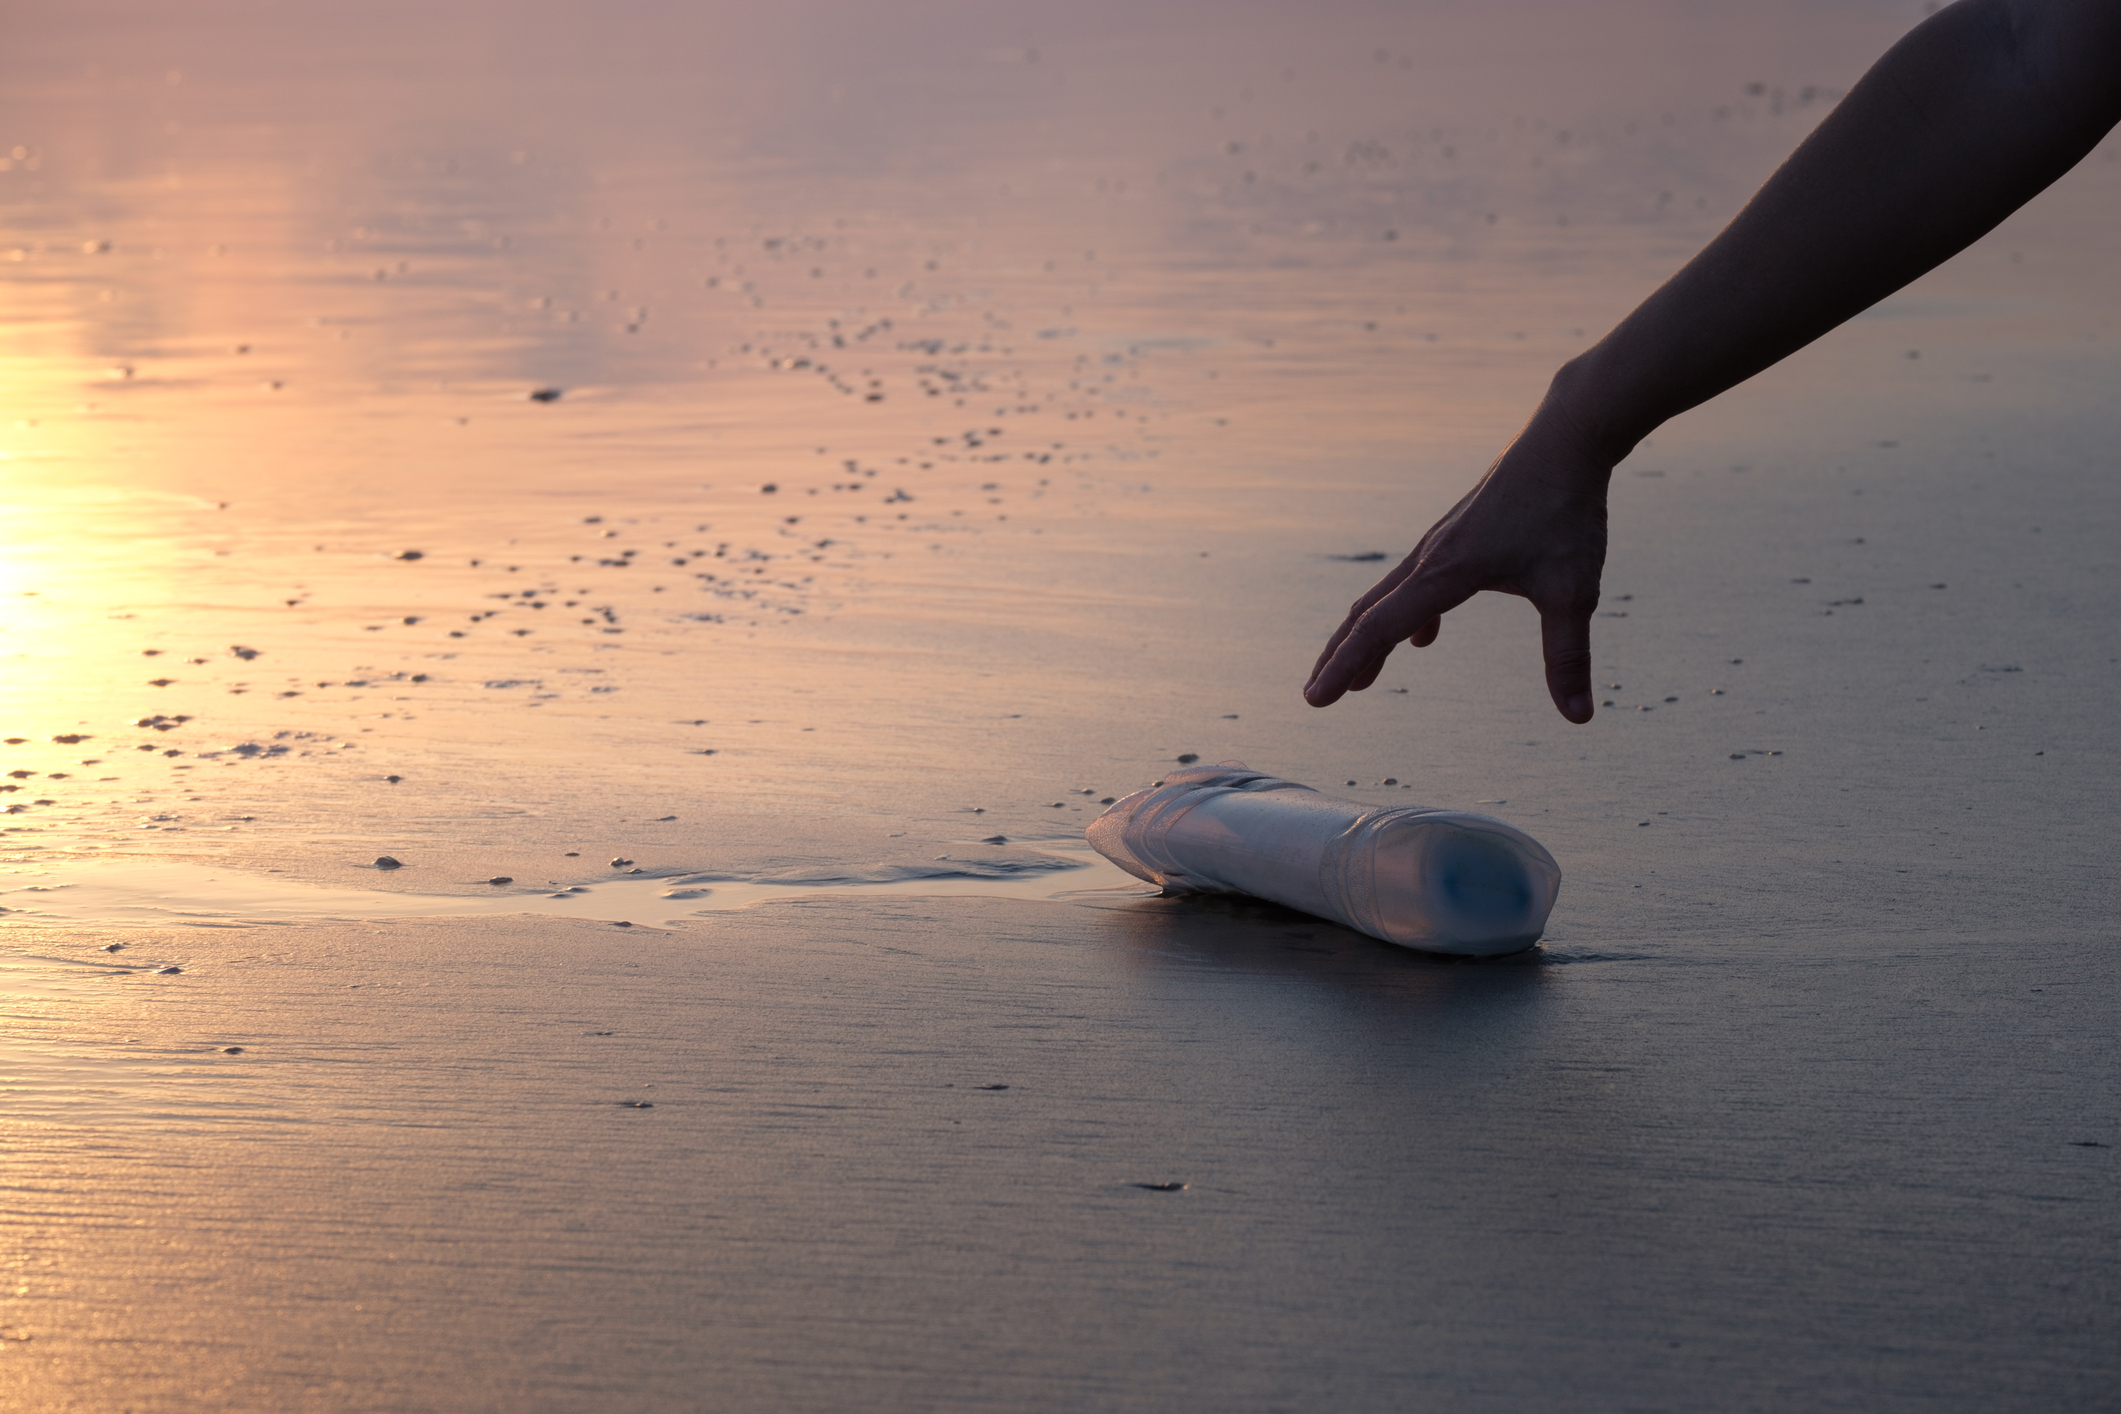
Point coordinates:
[(911, 1151), (1095, 363)]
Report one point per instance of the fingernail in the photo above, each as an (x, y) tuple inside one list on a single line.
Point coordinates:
[(1580, 706)]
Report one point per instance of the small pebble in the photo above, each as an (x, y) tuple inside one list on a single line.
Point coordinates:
[(995, 839), (546, 395), (1107, 800), (386, 862), (1188, 758), (622, 923), (1163, 1187), (113, 947), (500, 879), (393, 779), (231, 1050), (412, 554), (620, 863), (993, 1087), (169, 971), (636, 1104)]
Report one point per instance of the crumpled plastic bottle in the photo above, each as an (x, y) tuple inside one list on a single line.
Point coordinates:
[(1442, 881)]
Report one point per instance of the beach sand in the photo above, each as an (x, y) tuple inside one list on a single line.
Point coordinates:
[(957, 416)]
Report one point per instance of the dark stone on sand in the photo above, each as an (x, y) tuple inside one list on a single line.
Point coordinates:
[(499, 879), (113, 947), (622, 923), (1162, 1187), (386, 862), (1188, 758), (636, 1104), (412, 554), (620, 863), (995, 839), (71, 739), (393, 779), (169, 971), (547, 395), (992, 1087), (231, 1050), (1107, 800)]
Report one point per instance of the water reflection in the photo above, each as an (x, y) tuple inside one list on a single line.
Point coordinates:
[(1283, 978)]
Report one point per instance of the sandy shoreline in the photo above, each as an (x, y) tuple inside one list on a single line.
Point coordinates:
[(1828, 1170), (831, 449)]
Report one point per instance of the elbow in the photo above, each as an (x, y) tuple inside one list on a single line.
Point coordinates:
[(2067, 52)]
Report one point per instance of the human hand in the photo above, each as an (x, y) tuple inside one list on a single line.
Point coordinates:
[(1534, 526)]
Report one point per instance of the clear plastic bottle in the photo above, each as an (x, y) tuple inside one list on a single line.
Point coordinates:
[(1440, 881)]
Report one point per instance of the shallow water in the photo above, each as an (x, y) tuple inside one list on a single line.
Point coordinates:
[(1095, 359)]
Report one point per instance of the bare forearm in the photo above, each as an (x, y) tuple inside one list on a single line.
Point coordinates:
[(1972, 114)]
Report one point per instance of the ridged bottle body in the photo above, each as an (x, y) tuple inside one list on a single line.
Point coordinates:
[(1436, 880)]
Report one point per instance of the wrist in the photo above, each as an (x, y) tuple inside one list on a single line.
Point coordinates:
[(1585, 402)]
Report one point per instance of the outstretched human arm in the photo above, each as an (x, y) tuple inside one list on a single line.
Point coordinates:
[(1976, 111)]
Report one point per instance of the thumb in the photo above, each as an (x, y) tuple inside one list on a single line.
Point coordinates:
[(1565, 638)]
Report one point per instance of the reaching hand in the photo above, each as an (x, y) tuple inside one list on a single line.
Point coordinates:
[(1534, 526)]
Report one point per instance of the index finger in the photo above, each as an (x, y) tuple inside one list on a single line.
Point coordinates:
[(1367, 638)]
